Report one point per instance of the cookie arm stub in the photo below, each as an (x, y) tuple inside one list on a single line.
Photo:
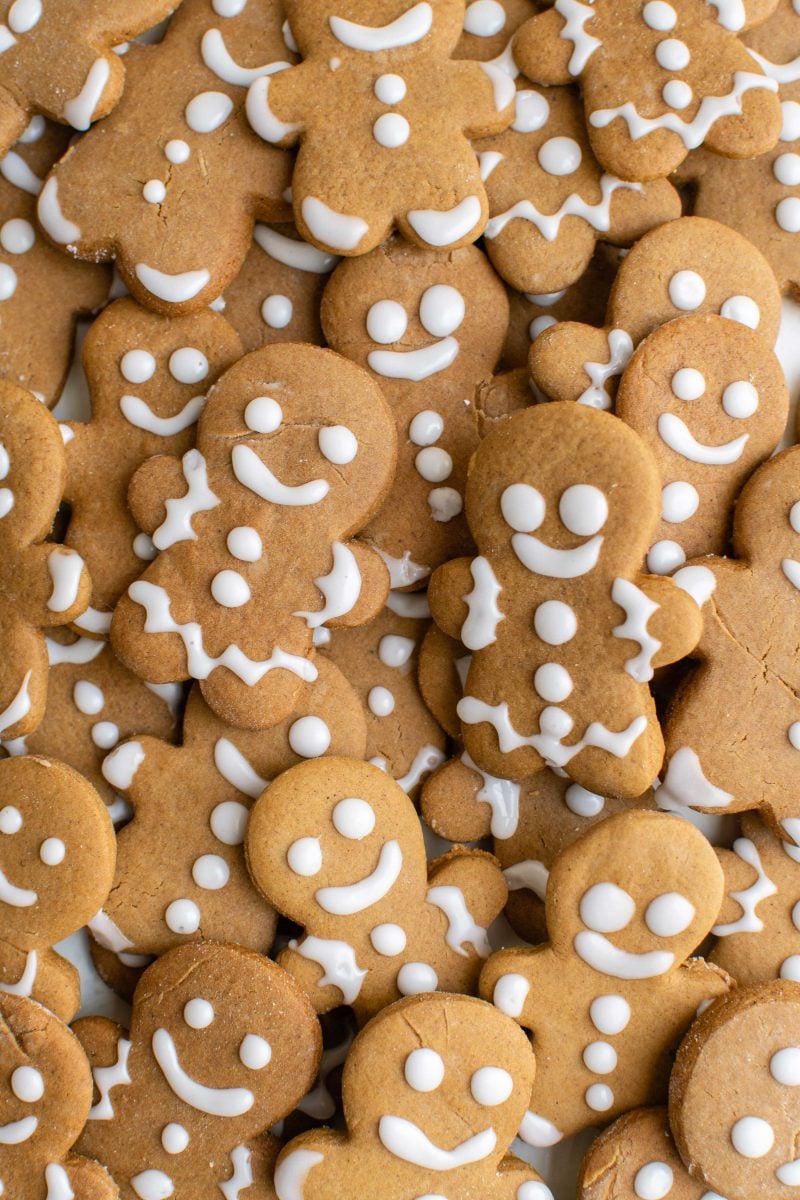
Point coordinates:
[(449, 584), (677, 624), (277, 103), (374, 587), (541, 52), (152, 484)]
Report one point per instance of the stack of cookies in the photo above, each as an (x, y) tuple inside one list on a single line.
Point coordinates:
[(399, 666)]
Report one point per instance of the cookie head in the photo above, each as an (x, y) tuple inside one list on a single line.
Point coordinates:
[(414, 315), (321, 475), (634, 921), (56, 851), (565, 513), (31, 467), (735, 1094), (227, 1032), (353, 28), (442, 1073), (334, 838)]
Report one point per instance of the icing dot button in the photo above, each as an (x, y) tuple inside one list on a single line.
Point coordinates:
[(600, 1057), (784, 1066), (677, 94), (309, 737), (560, 156), (154, 191), (688, 383), (386, 322), (263, 415), (793, 734), (390, 89), (245, 543), (790, 968), (338, 444), (673, 54), (174, 1138), (665, 556), (230, 589), (742, 309), (787, 214), (388, 939), (209, 110), (552, 682), (752, 1137), (198, 1013), (8, 281), (228, 822), (740, 399), (17, 236), (786, 169), (255, 1052), (10, 819), (425, 428), (491, 1086), (531, 111), (414, 978), (183, 916), (653, 1181), (210, 871), (305, 857), (391, 130), (381, 702), (555, 622), (353, 818), (177, 151), (484, 18), (277, 311), (610, 1014), (659, 15), (687, 290), (599, 1097)]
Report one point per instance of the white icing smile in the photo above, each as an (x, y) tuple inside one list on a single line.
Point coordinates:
[(604, 956), (16, 896), (406, 1140), (140, 414), (415, 364), (412, 26), (542, 559), (679, 438), (217, 1102), (257, 477), (17, 1131), (355, 897)]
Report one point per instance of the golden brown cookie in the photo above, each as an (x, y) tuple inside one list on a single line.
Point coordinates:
[(336, 846), (170, 186), (433, 1092), (222, 1045), (554, 608), (608, 999), (57, 851), (636, 1159), (295, 452), (46, 1098), (181, 872), (397, 152)]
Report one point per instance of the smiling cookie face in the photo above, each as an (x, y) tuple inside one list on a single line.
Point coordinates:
[(709, 398), (56, 852), (735, 1094)]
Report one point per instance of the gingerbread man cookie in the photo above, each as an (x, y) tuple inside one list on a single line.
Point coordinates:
[(295, 452), (434, 1089), (760, 197), (549, 199), (337, 847), (397, 153), (636, 1159), (657, 81), (172, 183), (41, 583), (222, 1045), (93, 702), (61, 62), (46, 1098), (380, 661), (276, 295), (691, 265), (710, 400), (556, 586), (57, 852), (180, 864), (42, 293), (734, 1106), (746, 757), (758, 926), (429, 326), (626, 906), (148, 377)]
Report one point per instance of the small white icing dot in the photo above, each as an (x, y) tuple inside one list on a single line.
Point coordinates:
[(255, 1052), (210, 871), (522, 507), (391, 130), (539, 324), (209, 110), (426, 428), (600, 1058), (687, 290), (559, 156), (659, 15), (669, 914), (484, 18), (491, 1086), (244, 543), (786, 169), (441, 309), (137, 366), (309, 737), (154, 191), (390, 89), (583, 802), (787, 214), (353, 818), (679, 501), (552, 682), (144, 547), (188, 365), (228, 822), (672, 54), (10, 819), (17, 236), (277, 311), (415, 977), (740, 399), (790, 968), (174, 1138), (182, 916), (230, 589), (784, 1066), (386, 322), (531, 111), (677, 94), (610, 1014), (198, 1013), (52, 851), (664, 556), (606, 908), (27, 1084), (653, 1181), (742, 309), (790, 126), (338, 444), (8, 281), (434, 464), (88, 697), (305, 857), (599, 1097), (555, 622), (177, 151), (583, 509), (381, 701), (688, 384), (105, 734), (794, 734), (752, 1137), (424, 1070), (388, 939)]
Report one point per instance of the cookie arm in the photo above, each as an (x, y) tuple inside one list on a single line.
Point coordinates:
[(89, 1180), (558, 358), (739, 876), (484, 96), (450, 806), (374, 587), (277, 104), (157, 480), (541, 52), (13, 119), (54, 585), (678, 622), (308, 973), (449, 584), (508, 981), (318, 1155), (478, 877)]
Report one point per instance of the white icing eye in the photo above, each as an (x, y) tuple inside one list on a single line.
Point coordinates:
[(174, 1138), (229, 822), (305, 856), (669, 914), (441, 310), (255, 1052), (687, 290), (27, 1084), (263, 415), (523, 508), (182, 916), (211, 872), (794, 521), (784, 1066), (688, 384), (188, 365), (606, 908), (198, 1014), (742, 308), (244, 543), (424, 1070), (353, 818), (88, 697), (740, 399), (491, 1086), (659, 15), (277, 311), (137, 366), (309, 737), (10, 819), (338, 444), (583, 509), (386, 322), (560, 156), (531, 111), (416, 977), (52, 851), (230, 589), (752, 1137)]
